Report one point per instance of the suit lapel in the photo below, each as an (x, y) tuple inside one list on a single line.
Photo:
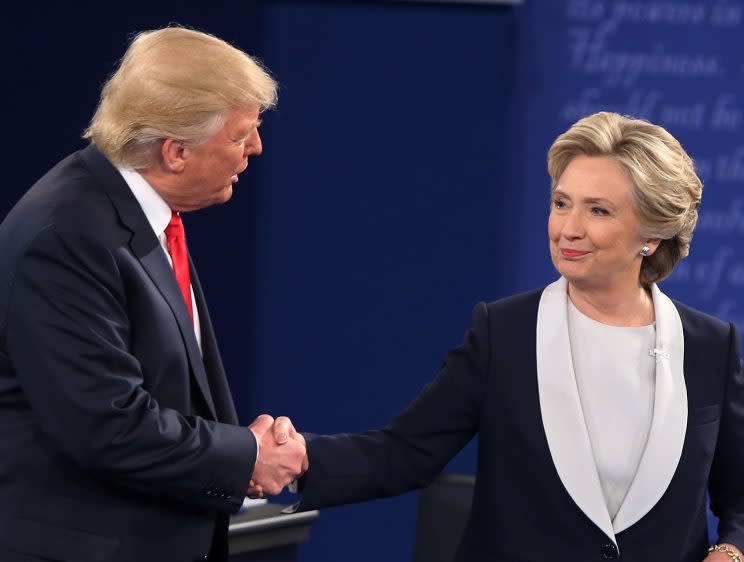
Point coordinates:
[(157, 267), (146, 248), (669, 425), (560, 406), (564, 424)]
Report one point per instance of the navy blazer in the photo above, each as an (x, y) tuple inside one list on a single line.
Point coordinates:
[(118, 440), (525, 506)]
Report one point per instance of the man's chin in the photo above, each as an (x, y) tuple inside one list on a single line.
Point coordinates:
[(224, 195), (218, 198)]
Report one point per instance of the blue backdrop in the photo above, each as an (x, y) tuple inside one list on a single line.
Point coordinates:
[(403, 180)]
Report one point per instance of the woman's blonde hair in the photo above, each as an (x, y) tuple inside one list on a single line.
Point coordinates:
[(666, 190), (174, 83)]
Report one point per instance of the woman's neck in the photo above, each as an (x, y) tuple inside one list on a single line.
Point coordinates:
[(629, 307)]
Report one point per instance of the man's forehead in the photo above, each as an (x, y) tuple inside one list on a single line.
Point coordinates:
[(244, 113)]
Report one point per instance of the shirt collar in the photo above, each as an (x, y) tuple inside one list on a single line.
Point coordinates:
[(156, 210)]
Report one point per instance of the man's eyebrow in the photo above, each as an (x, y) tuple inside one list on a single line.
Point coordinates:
[(254, 125)]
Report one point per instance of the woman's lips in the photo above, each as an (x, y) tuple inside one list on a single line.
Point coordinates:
[(566, 253)]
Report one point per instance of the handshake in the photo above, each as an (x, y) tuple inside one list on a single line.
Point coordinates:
[(282, 456)]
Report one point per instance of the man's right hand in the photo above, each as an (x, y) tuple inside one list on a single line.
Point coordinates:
[(277, 464)]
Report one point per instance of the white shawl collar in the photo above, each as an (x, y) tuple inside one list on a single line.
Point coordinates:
[(563, 419)]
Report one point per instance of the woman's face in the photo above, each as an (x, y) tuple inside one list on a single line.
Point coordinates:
[(593, 228)]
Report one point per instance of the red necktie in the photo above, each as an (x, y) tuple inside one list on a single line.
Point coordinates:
[(175, 237)]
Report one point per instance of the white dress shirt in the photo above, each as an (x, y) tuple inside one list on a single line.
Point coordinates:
[(158, 214), (615, 377)]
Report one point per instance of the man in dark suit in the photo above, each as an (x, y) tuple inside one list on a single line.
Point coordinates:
[(119, 440)]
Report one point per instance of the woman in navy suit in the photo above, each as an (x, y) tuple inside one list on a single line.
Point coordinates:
[(605, 410)]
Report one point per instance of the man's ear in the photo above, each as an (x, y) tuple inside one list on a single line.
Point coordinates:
[(173, 152)]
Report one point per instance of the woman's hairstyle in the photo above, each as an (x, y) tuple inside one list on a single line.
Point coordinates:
[(174, 83), (666, 190)]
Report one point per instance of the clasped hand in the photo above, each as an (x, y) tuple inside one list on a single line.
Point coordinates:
[(282, 455)]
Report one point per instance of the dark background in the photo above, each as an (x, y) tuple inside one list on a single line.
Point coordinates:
[(402, 181)]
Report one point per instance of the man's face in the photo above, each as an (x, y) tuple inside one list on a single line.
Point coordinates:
[(212, 167)]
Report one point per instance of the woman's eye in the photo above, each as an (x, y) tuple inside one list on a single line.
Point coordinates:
[(559, 203), (600, 211)]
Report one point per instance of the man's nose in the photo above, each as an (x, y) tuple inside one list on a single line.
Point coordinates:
[(255, 146)]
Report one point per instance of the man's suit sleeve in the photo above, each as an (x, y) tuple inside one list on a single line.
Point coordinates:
[(67, 335), (416, 444), (726, 482)]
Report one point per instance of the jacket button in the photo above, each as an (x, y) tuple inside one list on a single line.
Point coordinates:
[(609, 552)]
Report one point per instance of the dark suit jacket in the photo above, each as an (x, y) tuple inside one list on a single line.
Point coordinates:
[(118, 441), (523, 509)]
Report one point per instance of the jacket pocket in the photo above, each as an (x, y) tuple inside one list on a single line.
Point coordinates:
[(57, 543)]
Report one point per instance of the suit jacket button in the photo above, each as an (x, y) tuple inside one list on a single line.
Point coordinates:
[(609, 552)]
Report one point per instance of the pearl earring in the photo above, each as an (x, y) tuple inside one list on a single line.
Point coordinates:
[(645, 251)]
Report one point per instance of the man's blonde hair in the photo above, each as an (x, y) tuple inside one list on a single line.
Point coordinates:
[(174, 83)]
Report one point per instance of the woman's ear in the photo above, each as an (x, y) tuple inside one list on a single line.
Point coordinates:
[(653, 244)]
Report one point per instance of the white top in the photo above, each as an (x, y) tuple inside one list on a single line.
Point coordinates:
[(158, 214), (615, 377)]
